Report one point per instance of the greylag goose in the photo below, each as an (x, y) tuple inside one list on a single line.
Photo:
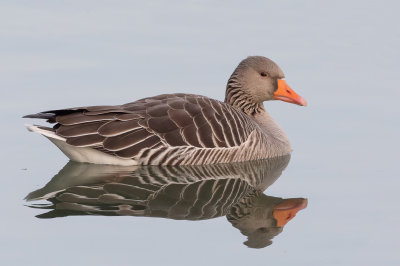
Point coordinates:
[(189, 192), (179, 129)]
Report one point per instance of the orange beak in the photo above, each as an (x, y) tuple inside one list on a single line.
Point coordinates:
[(287, 209), (286, 94)]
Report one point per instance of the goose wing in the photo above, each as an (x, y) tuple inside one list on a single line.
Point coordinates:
[(168, 120)]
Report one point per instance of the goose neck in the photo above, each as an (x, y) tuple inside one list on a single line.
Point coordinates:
[(240, 98)]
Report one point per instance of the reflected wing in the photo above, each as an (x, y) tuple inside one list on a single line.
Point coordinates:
[(178, 192), (259, 174), (203, 199)]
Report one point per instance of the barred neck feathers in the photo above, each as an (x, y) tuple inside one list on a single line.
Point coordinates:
[(240, 99)]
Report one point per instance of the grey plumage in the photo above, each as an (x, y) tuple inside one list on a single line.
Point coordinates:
[(179, 129)]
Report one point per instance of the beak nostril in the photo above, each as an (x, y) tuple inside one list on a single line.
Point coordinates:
[(288, 91)]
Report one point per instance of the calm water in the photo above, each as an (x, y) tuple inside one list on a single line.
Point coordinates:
[(343, 57)]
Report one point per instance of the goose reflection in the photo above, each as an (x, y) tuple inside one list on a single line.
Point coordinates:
[(176, 192)]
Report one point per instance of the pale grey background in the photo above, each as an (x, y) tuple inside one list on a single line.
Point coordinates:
[(342, 56)]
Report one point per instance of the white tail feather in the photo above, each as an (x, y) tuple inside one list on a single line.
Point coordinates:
[(81, 154), (46, 133)]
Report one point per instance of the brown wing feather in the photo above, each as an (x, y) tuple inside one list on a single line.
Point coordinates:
[(79, 129), (116, 127), (126, 140), (86, 141), (169, 119), (132, 151)]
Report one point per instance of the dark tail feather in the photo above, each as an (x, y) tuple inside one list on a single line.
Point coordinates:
[(49, 116), (39, 115)]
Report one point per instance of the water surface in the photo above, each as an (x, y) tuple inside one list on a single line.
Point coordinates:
[(342, 56)]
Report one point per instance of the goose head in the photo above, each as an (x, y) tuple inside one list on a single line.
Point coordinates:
[(258, 79)]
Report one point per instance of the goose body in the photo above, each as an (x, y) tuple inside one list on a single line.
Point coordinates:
[(175, 129)]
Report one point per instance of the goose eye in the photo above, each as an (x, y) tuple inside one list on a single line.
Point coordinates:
[(263, 74)]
